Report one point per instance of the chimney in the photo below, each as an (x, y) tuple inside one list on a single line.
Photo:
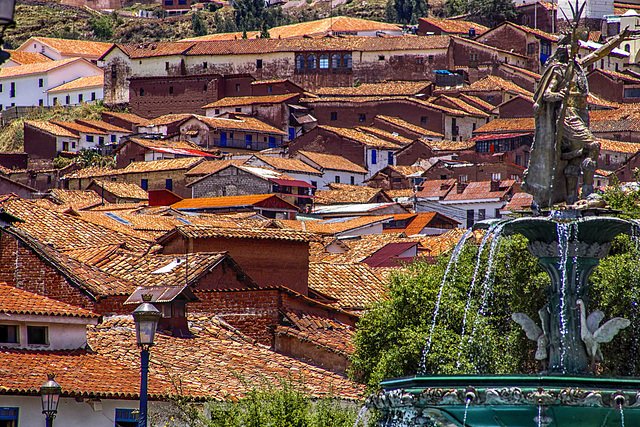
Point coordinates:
[(472, 33), (495, 185), (460, 186)]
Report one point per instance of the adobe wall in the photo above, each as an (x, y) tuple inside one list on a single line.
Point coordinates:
[(129, 153), (519, 108), (605, 88), (157, 180), (412, 154), (532, 18), (117, 121), (39, 144), (311, 353), (320, 141), (230, 182)]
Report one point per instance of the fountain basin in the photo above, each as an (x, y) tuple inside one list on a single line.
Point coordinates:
[(508, 400)]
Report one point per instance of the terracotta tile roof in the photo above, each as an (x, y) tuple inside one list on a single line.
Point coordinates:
[(508, 125), (355, 286), (81, 373), (79, 83), (332, 162), (379, 133), (35, 68), (124, 190), (217, 362), (103, 126), (519, 201), (619, 146), (345, 193), (547, 5), (332, 226), (65, 197), (205, 232), (454, 26), (226, 201), (17, 301), (92, 171), (240, 123), (397, 121), (480, 190), (232, 101), (534, 31), (594, 100), (75, 47), (461, 105), (162, 165), (351, 43), (396, 194), (521, 71), (594, 36), (437, 245), (167, 119), (387, 88), (125, 224), (152, 143), (209, 167), (359, 248), (446, 145), (61, 231), (382, 99), (24, 58), (620, 76), (437, 188), (407, 170), (132, 118), (93, 255), (149, 50), (494, 83), (285, 164), (360, 137), (50, 128), (326, 333), (76, 128)]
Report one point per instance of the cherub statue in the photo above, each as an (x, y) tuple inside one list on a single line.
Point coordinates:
[(535, 333)]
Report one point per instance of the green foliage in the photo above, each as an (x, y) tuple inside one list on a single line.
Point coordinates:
[(264, 34), (224, 24), (85, 158), (392, 335), (456, 7), (252, 15), (287, 405), (409, 11), (623, 199), (199, 25), (491, 12), (102, 27)]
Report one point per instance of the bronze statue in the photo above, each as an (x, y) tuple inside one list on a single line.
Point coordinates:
[(561, 154)]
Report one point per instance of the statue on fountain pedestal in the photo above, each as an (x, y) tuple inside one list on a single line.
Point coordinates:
[(563, 147)]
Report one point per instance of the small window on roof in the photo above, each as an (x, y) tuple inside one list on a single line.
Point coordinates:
[(9, 334), (117, 218), (37, 335)]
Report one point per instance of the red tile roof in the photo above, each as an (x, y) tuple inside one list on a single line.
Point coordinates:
[(494, 83), (17, 301), (326, 333), (360, 137), (454, 26), (36, 67), (205, 232), (51, 128), (332, 162), (74, 47), (24, 58), (524, 125), (232, 101), (79, 83), (227, 201), (436, 188), (480, 191), (387, 88)]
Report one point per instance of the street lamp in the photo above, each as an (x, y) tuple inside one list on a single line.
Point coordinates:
[(7, 9), (50, 394), (146, 317)]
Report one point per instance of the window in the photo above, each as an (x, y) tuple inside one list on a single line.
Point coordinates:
[(420, 60), (352, 180), (89, 138), (237, 87), (473, 57), (0, 87), (37, 335), (312, 62), (141, 92), (270, 89), (300, 62), (374, 157), (204, 88), (101, 140), (216, 111), (496, 213), (490, 98), (259, 63), (470, 217), (632, 93), (482, 214), (362, 118), (390, 158), (166, 65), (335, 61), (168, 2), (430, 58), (346, 60), (113, 138), (8, 417), (40, 82), (93, 96), (496, 176), (41, 102), (205, 65), (170, 90), (12, 92), (73, 144), (464, 178), (238, 109), (65, 145), (182, 2), (9, 334), (424, 120), (337, 179), (126, 418), (627, 47), (80, 98), (324, 62), (168, 184), (67, 99), (144, 184), (531, 48), (334, 116), (380, 57), (519, 160)]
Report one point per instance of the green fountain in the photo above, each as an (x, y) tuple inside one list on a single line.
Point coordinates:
[(569, 236)]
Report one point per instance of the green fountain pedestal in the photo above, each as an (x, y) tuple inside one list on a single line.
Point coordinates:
[(568, 249)]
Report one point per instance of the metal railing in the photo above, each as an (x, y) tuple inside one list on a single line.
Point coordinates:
[(244, 144)]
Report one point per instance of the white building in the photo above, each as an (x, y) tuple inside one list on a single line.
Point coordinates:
[(335, 169), (58, 49), (294, 168), (82, 89), (27, 85), (595, 9)]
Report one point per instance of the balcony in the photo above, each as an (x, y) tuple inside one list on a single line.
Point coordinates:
[(244, 144)]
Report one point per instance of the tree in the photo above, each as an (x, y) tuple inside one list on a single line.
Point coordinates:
[(456, 7), (409, 11), (264, 34), (102, 27), (248, 14), (492, 12), (199, 25)]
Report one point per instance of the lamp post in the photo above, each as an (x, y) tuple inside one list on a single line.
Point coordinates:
[(50, 394), (146, 317), (7, 9)]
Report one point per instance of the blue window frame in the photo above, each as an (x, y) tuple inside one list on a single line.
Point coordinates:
[(144, 184), (390, 158), (272, 142), (113, 138), (168, 184), (126, 417), (374, 157), (9, 416), (89, 138)]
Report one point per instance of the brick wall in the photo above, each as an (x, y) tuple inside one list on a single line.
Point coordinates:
[(231, 181), (517, 108), (413, 153), (157, 180), (311, 353), (479, 172), (322, 141), (605, 88), (130, 152), (39, 144)]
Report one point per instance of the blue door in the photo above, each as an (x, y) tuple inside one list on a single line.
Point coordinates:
[(272, 142), (223, 139), (292, 133), (248, 139)]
